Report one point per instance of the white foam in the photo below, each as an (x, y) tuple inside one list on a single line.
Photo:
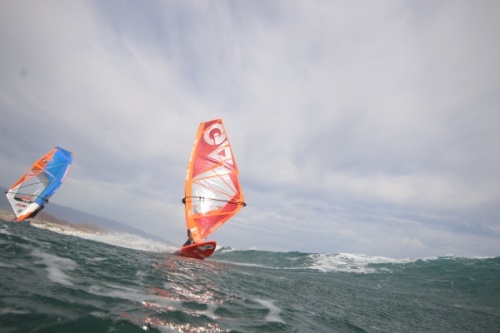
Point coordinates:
[(5, 232), (134, 295), (2, 265), (348, 262), (97, 259), (126, 240), (239, 263), (130, 241), (12, 311), (98, 314), (225, 249), (56, 266), (274, 311), (210, 312)]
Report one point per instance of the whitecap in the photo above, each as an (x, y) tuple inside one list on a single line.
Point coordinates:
[(225, 249), (351, 263), (96, 259), (125, 240), (2, 265), (13, 311), (134, 295), (130, 241), (5, 232), (274, 311), (55, 266), (210, 312)]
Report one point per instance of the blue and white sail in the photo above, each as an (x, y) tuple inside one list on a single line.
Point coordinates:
[(32, 191)]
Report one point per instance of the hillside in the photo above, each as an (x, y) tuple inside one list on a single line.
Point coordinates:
[(64, 216)]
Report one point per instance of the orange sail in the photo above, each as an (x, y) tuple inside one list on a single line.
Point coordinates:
[(212, 191)]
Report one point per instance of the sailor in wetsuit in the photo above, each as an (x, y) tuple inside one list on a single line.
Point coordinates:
[(42, 206), (190, 239)]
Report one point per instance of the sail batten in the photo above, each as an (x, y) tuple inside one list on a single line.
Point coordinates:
[(212, 190)]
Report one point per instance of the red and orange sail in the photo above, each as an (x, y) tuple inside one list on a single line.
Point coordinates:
[(212, 191)]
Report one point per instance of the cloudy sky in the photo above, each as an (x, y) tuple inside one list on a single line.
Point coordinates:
[(366, 127)]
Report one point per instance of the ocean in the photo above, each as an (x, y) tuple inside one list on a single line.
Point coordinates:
[(51, 282)]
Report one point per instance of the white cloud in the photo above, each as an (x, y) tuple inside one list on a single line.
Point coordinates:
[(335, 111)]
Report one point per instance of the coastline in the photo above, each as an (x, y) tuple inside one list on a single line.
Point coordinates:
[(46, 221)]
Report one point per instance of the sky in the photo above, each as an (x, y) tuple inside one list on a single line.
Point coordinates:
[(368, 127)]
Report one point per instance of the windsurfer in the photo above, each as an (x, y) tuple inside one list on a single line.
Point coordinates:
[(189, 240), (42, 206), (35, 213)]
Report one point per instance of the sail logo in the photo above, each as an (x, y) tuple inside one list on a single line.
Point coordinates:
[(215, 135), (23, 198), (205, 247)]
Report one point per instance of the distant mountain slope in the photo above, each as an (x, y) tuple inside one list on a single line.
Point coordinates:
[(57, 213)]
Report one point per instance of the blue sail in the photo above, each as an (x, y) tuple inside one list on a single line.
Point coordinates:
[(56, 171)]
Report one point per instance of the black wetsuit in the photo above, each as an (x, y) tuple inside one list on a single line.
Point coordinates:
[(35, 213), (189, 240)]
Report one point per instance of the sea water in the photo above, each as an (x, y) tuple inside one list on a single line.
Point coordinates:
[(51, 282)]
